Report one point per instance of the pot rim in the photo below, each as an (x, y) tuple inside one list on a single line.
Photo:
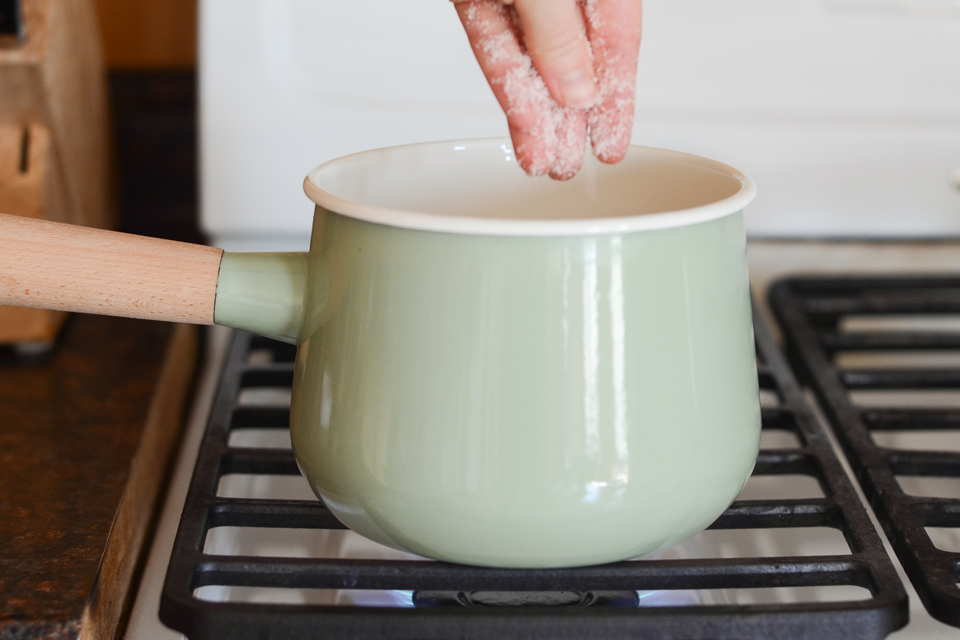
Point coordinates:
[(475, 225)]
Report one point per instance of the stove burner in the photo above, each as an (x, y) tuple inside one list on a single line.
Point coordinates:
[(526, 599), (485, 603)]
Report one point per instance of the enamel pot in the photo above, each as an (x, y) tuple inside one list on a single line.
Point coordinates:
[(492, 369)]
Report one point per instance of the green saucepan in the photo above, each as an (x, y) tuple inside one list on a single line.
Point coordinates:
[(492, 369)]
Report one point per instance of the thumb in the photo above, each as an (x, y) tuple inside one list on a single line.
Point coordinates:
[(554, 35)]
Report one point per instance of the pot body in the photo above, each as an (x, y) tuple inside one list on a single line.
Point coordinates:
[(526, 401)]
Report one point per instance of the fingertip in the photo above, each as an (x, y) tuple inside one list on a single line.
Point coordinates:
[(564, 175), (611, 126), (571, 144), (534, 156), (609, 150), (614, 155), (609, 147)]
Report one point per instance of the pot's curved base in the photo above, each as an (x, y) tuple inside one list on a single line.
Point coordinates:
[(453, 536)]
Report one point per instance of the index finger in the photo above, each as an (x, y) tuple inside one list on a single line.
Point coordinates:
[(532, 114)]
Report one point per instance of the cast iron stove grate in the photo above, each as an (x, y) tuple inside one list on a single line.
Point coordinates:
[(585, 590), (909, 316)]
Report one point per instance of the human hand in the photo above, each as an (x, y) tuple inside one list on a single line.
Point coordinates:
[(559, 69)]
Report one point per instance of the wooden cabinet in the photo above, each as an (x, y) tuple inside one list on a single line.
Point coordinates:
[(149, 34)]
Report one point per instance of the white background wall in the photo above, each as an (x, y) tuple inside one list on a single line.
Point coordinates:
[(845, 112)]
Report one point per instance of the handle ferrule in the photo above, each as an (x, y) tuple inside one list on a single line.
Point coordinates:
[(262, 293)]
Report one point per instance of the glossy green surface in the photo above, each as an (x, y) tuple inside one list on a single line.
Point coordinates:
[(526, 401), (262, 292)]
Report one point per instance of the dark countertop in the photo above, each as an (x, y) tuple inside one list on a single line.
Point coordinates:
[(70, 426)]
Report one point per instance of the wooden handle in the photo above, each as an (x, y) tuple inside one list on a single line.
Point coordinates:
[(49, 265)]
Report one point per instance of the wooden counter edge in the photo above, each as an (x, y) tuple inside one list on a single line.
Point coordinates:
[(149, 470)]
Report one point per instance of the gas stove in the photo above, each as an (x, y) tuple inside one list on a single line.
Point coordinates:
[(800, 554)]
